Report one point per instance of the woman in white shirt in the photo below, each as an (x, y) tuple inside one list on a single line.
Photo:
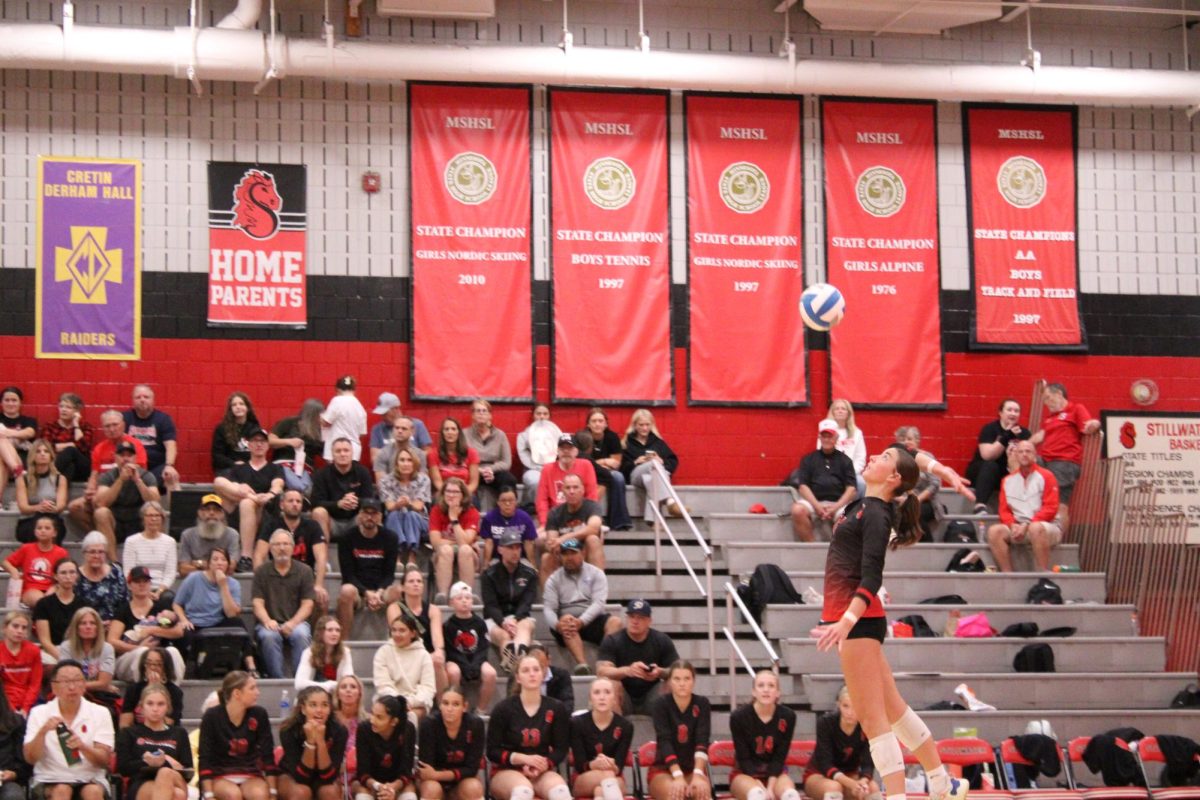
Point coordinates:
[(850, 437), (153, 550), (344, 417), (327, 660)]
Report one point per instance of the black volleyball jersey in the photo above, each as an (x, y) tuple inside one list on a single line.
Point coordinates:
[(462, 754), (854, 564), (838, 751), (680, 735), (292, 760), (588, 741), (546, 733), (761, 748), (386, 760)]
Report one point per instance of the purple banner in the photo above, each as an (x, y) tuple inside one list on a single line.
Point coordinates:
[(89, 258)]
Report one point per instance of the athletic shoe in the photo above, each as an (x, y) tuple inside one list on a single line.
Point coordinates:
[(958, 791), (981, 509), (967, 695), (244, 565), (582, 669), (508, 657)]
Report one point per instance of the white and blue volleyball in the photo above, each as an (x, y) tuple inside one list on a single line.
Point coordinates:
[(822, 306)]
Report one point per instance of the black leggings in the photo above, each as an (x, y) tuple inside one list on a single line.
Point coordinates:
[(73, 463)]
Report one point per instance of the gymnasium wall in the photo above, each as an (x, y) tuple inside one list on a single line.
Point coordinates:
[(1138, 240)]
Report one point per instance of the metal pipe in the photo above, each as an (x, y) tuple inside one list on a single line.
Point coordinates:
[(244, 16)]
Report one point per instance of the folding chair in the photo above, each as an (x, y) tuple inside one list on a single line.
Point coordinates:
[(971, 751), (1148, 750), (645, 754), (800, 753), (1009, 754), (1095, 789)]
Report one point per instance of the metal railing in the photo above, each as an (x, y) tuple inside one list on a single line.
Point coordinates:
[(732, 599), (667, 492)]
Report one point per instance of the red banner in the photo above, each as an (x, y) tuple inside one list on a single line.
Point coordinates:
[(745, 205), (611, 246), (1021, 214), (471, 214), (881, 245)]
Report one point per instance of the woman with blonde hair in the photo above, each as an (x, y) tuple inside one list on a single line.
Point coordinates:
[(406, 494), (850, 437), (600, 742), (84, 642), (154, 754), (41, 491), (643, 446)]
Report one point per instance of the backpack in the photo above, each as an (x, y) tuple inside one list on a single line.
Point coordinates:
[(976, 626), (1022, 629), (1188, 697), (1034, 658), (1044, 593), (959, 531), (965, 560), (920, 628), (944, 600), (219, 650), (768, 584)]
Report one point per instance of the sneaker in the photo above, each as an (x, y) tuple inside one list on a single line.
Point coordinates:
[(981, 509), (439, 599), (582, 669), (958, 791), (244, 564), (673, 509), (508, 657), (812, 597), (967, 695)]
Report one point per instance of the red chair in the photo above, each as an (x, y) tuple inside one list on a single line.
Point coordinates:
[(1148, 750), (721, 754), (643, 756), (1075, 748), (801, 752), (970, 751), (1009, 754)]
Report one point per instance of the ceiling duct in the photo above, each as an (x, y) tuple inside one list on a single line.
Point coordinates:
[(443, 9), (899, 16)]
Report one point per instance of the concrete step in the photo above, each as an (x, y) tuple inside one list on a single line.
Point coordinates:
[(703, 501), (742, 557), (975, 587), (783, 621)]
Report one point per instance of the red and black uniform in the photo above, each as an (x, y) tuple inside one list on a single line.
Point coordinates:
[(462, 755), (386, 760), (292, 761), (854, 564), (136, 740), (761, 748), (680, 735), (588, 741), (228, 749), (838, 751), (511, 731)]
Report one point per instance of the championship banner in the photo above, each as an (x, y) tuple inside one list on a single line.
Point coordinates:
[(89, 258), (610, 247), (469, 158), (257, 265), (745, 207), (881, 246), (1022, 217), (1162, 449)]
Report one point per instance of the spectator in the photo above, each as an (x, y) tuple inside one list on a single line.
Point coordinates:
[(605, 456), (453, 458), (327, 660), (635, 656), (248, 487), (14, 772), (350, 709), (387, 753), (536, 447), (71, 763), (992, 456), (762, 736), (495, 456), (427, 618), (237, 751), (153, 550), (121, 492), (142, 624), (20, 669), (528, 737), (576, 518), (451, 750), (154, 754), (33, 564), (1028, 509), (71, 437), (509, 588), (453, 530), (1061, 441), (826, 483), (642, 447), (600, 742), (344, 418), (850, 438), (314, 749), (841, 762), (154, 668), (156, 431), (406, 494), (209, 531), (282, 599), (41, 491), (211, 599), (84, 643), (296, 442), (307, 537), (54, 612), (573, 602), (466, 640), (381, 433), (101, 583), (338, 488), (231, 439), (367, 556), (112, 424), (506, 518), (550, 486), (17, 432), (402, 667), (682, 725), (402, 437), (927, 486), (556, 683)]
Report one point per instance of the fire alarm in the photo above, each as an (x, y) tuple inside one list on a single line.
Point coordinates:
[(371, 182)]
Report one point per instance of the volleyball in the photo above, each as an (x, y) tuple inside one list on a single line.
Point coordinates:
[(822, 306)]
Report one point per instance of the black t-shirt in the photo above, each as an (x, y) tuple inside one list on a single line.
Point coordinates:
[(308, 533), (51, 609), (992, 433), (330, 486), (563, 519), (607, 446), (125, 614), (466, 643), (656, 649), (827, 475), (259, 480), (18, 423)]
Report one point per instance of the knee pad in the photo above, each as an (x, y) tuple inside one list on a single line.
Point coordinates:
[(885, 752), (522, 793), (757, 793), (910, 730), (790, 794), (610, 789), (560, 792)]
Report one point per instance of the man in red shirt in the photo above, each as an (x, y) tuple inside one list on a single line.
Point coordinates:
[(104, 458), (550, 487), (1060, 441)]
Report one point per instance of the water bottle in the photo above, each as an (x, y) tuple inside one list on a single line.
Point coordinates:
[(285, 703)]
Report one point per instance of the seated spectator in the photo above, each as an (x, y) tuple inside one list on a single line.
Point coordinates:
[(509, 588), (338, 488), (282, 600), (453, 532), (495, 455), (1028, 511), (33, 564), (155, 430), (636, 656), (121, 492), (72, 763), (103, 458), (230, 439), (41, 491), (453, 458), (1060, 441), (248, 487), (17, 432), (990, 462), (402, 437), (71, 437), (154, 753), (153, 550), (850, 438), (350, 709), (642, 446), (536, 447), (600, 742), (826, 483), (210, 530), (381, 432), (20, 670), (142, 624), (576, 518), (101, 583), (211, 599), (403, 667), (314, 749), (406, 494), (387, 753), (556, 682), (529, 735), (550, 485), (237, 751), (84, 643), (327, 660), (154, 668), (14, 772), (307, 537), (762, 736), (605, 456), (682, 726), (927, 486), (296, 442), (842, 761), (54, 612), (466, 640), (344, 418), (452, 743), (367, 555), (573, 602), (507, 517), (427, 617)]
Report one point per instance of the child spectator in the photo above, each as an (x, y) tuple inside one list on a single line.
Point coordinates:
[(33, 563), (466, 640)]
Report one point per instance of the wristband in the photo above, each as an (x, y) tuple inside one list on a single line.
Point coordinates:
[(838, 774), (209, 795), (850, 615), (698, 771), (274, 792), (676, 773)]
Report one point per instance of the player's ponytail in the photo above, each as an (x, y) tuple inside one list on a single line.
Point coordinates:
[(908, 507)]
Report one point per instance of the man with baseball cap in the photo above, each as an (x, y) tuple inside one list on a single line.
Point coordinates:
[(573, 603), (367, 556), (825, 480), (509, 588), (209, 532), (250, 486), (381, 432), (638, 656), (550, 487), (120, 494)]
